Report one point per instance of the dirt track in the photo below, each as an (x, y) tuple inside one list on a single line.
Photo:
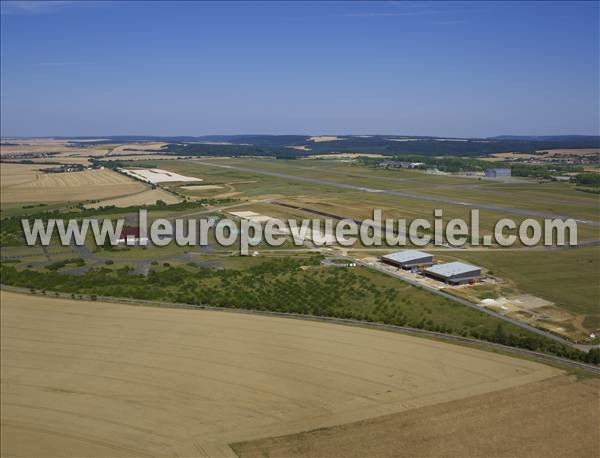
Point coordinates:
[(90, 378)]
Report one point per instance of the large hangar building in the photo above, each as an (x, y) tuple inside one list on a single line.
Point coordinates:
[(497, 172), (454, 273), (408, 259)]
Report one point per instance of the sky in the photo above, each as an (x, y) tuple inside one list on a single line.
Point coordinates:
[(199, 68)]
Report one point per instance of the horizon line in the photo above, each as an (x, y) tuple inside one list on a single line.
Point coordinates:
[(365, 135)]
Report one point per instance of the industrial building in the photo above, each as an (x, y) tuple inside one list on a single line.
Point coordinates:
[(408, 259), (400, 165), (454, 273), (497, 173)]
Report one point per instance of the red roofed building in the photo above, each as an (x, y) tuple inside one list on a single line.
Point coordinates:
[(131, 235)]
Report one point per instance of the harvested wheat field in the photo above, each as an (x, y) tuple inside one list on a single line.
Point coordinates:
[(100, 379), (36, 186), (556, 417), (148, 197), (144, 146), (17, 174), (48, 147)]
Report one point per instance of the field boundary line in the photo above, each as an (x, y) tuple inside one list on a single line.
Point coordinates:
[(451, 338)]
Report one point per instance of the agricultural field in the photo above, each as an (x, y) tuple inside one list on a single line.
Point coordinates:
[(546, 155), (144, 381), (52, 149), (148, 197), (26, 184), (18, 174), (520, 421), (137, 148)]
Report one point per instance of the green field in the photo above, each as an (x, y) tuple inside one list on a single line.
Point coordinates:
[(552, 198), (567, 277)]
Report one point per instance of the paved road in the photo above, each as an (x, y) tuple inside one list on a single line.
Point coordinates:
[(474, 306), (404, 194)]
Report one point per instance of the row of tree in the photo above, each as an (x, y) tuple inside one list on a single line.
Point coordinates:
[(294, 286)]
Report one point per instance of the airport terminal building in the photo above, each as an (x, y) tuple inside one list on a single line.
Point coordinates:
[(408, 259), (454, 273)]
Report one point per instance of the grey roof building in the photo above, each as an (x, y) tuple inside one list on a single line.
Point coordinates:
[(497, 172), (408, 259), (454, 273)]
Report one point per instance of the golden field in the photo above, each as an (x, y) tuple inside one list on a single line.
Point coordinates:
[(148, 197), (27, 183), (101, 379), (556, 417)]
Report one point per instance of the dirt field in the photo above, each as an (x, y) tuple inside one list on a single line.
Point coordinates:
[(558, 417), (148, 197), (97, 379), (545, 154), (146, 146), (23, 183), (16, 174), (40, 146), (324, 138), (572, 151)]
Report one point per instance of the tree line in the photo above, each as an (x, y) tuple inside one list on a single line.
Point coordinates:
[(295, 286)]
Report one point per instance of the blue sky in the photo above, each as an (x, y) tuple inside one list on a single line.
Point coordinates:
[(421, 68)]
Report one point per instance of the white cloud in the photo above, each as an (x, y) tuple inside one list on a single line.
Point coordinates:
[(27, 7)]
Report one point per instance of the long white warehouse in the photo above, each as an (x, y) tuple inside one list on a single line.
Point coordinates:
[(154, 176)]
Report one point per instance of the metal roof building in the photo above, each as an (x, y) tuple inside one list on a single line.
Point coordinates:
[(408, 259), (454, 273), (497, 172)]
